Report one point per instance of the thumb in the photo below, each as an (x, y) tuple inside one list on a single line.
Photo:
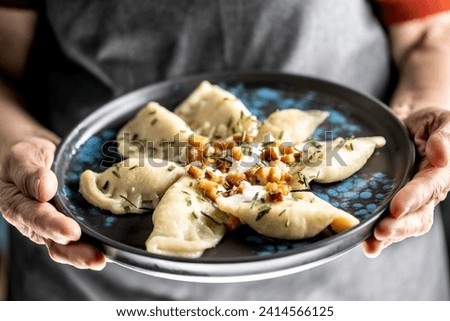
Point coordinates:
[(437, 148), (28, 167)]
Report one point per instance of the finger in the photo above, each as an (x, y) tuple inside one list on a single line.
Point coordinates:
[(28, 167), (431, 130), (372, 247), (397, 229), (78, 254), (428, 185), (438, 147), (32, 217)]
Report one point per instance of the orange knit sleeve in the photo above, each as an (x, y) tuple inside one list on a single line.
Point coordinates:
[(395, 11)]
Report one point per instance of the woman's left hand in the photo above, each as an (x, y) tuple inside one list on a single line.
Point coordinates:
[(412, 208)]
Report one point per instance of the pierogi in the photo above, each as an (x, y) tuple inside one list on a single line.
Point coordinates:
[(185, 222), (333, 161), (154, 132), (131, 186), (215, 113)]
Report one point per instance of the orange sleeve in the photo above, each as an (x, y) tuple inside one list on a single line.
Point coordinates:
[(395, 11)]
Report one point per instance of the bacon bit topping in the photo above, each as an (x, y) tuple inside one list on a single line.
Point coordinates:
[(211, 176), (242, 137), (288, 159), (276, 192), (223, 165), (195, 172), (234, 179), (236, 153), (209, 188), (234, 190), (268, 174), (198, 141), (286, 149), (298, 155), (286, 177), (269, 154)]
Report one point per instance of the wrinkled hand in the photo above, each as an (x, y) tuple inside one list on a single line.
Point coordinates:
[(412, 208), (26, 186)]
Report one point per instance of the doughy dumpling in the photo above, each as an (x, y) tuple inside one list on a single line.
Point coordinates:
[(153, 132), (132, 186), (216, 113), (290, 125), (185, 222), (300, 215), (334, 160)]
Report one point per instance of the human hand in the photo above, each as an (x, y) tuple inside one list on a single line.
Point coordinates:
[(412, 208), (26, 186)]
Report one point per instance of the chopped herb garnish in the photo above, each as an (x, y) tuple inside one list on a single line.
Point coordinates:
[(263, 210), (171, 168), (152, 112), (187, 193), (106, 185), (287, 223), (315, 144), (281, 135), (349, 146), (188, 201), (244, 134), (154, 121), (242, 114), (212, 219), (303, 180), (237, 128), (190, 184), (254, 200), (131, 168), (127, 209), (194, 215), (200, 197), (282, 212), (126, 199), (116, 174)]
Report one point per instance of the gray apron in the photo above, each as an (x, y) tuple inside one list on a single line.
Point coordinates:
[(116, 46)]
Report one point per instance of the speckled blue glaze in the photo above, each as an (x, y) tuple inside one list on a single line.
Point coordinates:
[(263, 101), (362, 194)]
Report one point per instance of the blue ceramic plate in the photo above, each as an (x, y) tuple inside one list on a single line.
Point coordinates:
[(242, 255)]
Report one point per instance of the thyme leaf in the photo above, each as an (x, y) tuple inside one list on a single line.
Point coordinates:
[(126, 199), (263, 210)]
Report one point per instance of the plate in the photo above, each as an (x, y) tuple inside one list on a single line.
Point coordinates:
[(242, 255)]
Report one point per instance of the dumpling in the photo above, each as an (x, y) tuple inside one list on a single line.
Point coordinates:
[(333, 161), (154, 132), (216, 113), (290, 125), (131, 186), (300, 215), (185, 223)]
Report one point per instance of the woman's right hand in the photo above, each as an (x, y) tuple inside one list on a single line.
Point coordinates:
[(27, 184)]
